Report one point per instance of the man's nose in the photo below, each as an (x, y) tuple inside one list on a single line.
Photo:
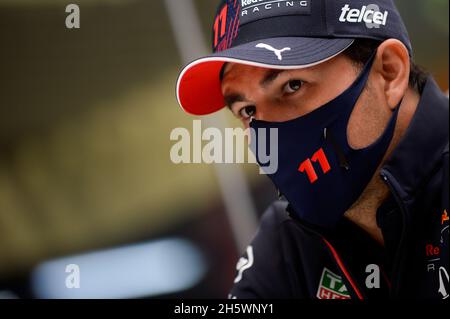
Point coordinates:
[(266, 111)]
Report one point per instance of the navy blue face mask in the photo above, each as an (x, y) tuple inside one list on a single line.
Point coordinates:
[(318, 172)]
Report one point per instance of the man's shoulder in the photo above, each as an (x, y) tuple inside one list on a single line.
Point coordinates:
[(280, 232), (262, 272), (275, 215), (268, 236), (277, 228)]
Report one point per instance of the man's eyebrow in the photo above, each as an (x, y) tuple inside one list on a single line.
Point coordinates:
[(270, 76), (233, 98)]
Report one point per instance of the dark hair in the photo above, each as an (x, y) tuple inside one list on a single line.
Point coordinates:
[(361, 51)]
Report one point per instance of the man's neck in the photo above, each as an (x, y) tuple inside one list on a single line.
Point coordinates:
[(364, 212)]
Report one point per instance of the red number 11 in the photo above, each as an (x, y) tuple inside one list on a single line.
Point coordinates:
[(221, 22), (308, 168)]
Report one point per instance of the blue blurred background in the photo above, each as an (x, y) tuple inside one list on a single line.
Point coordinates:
[(85, 173)]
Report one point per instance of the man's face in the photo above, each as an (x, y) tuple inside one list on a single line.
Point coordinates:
[(278, 96)]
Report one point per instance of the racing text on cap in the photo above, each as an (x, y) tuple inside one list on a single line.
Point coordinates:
[(252, 10)]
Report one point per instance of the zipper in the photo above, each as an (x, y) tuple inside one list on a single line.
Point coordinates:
[(335, 256), (343, 269), (329, 137), (400, 255), (386, 278)]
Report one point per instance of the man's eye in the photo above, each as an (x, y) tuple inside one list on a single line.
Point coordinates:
[(247, 112), (293, 86)]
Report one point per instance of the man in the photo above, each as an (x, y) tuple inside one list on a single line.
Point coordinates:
[(363, 147)]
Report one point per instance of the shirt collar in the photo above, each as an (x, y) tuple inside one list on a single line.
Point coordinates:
[(421, 149)]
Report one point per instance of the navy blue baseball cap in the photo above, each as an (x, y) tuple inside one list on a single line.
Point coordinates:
[(281, 34)]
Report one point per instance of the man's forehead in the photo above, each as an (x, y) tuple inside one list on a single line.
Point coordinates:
[(315, 70), (229, 66), (242, 69)]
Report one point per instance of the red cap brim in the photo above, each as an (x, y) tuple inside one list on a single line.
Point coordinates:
[(198, 88)]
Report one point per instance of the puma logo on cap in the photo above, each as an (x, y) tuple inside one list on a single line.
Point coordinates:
[(275, 51)]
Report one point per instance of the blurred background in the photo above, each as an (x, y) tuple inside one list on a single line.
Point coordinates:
[(85, 173)]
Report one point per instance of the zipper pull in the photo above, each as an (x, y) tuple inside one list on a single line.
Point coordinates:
[(343, 162)]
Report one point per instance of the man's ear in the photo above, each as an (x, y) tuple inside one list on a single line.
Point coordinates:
[(392, 63)]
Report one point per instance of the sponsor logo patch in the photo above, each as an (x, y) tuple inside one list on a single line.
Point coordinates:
[(371, 15), (332, 286), (243, 264), (444, 217)]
